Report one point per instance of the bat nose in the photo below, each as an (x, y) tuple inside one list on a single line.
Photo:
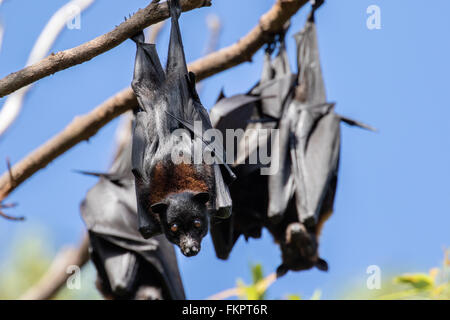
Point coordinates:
[(189, 247), (190, 251)]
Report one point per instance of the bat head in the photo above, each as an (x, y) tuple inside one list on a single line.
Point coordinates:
[(184, 220), (300, 251)]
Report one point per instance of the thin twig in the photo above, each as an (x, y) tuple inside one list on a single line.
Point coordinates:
[(8, 217), (9, 205)]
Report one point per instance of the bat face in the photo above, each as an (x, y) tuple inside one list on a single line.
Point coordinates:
[(299, 250), (184, 220)]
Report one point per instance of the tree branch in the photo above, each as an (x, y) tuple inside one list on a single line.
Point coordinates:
[(84, 127), (153, 13), (57, 275)]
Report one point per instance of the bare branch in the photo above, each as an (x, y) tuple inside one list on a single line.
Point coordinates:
[(84, 127), (57, 275), (13, 105), (153, 13)]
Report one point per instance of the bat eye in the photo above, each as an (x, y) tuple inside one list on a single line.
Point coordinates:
[(174, 227), (197, 223)]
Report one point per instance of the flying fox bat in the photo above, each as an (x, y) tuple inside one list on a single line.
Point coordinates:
[(294, 202), (260, 108), (174, 197), (128, 266)]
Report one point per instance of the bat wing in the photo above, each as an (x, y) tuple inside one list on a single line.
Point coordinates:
[(275, 84), (149, 75), (223, 236), (126, 265), (315, 135), (233, 112), (310, 77), (317, 164), (249, 195), (111, 209), (281, 179)]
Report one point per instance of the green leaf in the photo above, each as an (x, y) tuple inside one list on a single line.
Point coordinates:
[(421, 281), (257, 273)]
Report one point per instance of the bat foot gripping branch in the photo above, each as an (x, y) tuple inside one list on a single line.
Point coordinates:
[(316, 4)]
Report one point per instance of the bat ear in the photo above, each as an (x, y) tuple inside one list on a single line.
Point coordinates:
[(201, 197), (281, 270), (321, 264), (159, 207)]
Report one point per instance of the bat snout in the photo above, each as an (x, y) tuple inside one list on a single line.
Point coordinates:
[(189, 247), (190, 251)]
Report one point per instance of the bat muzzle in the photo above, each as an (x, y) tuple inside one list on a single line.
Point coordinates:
[(189, 247)]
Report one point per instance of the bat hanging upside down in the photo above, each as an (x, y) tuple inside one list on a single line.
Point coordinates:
[(174, 197), (295, 198)]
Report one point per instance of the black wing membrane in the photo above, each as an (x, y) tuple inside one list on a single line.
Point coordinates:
[(258, 109), (129, 267)]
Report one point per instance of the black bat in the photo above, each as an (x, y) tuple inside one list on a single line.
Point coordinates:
[(260, 108), (175, 192), (128, 266), (295, 200)]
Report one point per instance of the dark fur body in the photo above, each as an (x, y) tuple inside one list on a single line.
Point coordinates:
[(168, 179)]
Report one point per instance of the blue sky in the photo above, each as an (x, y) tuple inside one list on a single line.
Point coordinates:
[(392, 202)]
